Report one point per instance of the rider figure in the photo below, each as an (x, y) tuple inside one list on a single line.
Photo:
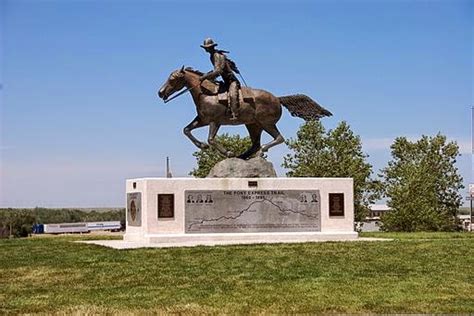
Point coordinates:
[(225, 68)]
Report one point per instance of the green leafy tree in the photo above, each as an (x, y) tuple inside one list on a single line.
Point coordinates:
[(335, 153), (422, 185), (18, 222), (207, 158)]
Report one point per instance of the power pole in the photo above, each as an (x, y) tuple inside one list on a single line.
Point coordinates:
[(471, 186), (168, 171)]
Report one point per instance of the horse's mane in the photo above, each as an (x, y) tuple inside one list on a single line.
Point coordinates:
[(197, 72)]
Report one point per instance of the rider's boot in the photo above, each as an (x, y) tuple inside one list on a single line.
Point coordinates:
[(235, 116)]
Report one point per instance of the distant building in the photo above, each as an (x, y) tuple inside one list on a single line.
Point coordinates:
[(377, 210), (372, 221), (465, 221)]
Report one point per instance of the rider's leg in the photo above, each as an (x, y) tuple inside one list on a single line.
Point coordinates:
[(234, 99)]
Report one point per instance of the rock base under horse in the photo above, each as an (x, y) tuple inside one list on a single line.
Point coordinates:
[(237, 168)]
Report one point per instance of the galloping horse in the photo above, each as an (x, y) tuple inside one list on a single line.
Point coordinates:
[(261, 114)]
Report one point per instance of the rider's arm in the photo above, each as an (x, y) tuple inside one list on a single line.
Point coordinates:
[(219, 64)]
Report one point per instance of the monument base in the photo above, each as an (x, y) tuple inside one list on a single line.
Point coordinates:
[(169, 212), (192, 240), (171, 240)]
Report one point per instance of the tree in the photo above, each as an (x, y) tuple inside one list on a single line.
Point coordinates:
[(422, 185), (207, 158), (19, 222), (335, 153)]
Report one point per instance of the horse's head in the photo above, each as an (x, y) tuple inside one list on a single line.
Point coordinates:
[(174, 83)]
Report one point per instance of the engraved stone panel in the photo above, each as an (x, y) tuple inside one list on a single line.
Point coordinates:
[(134, 209), (222, 211)]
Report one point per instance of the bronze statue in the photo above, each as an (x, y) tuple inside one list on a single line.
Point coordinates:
[(225, 68), (259, 110)]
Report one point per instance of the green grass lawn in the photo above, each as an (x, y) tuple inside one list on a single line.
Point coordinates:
[(415, 273)]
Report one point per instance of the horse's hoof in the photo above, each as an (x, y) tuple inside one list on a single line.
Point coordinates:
[(230, 154), (204, 146)]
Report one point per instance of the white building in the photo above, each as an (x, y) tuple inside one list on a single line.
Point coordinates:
[(377, 210), (372, 221)]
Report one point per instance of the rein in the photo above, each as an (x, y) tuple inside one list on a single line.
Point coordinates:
[(182, 92)]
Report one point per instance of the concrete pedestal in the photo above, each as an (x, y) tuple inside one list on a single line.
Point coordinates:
[(189, 212)]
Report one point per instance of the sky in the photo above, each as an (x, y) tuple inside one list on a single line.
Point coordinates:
[(79, 112)]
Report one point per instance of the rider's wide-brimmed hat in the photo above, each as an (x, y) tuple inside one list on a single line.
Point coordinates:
[(208, 43)]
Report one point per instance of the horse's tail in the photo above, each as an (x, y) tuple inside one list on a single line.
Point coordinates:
[(304, 107)]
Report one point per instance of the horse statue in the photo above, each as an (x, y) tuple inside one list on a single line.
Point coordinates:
[(259, 110)]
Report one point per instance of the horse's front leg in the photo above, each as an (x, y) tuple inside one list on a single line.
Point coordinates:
[(213, 129), (196, 123)]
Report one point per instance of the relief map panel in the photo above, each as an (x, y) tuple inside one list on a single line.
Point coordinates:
[(245, 211)]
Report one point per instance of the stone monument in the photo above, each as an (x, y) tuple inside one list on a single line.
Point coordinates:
[(209, 211), (242, 200)]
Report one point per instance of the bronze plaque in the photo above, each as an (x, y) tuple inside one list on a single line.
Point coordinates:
[(134, 209), (336, 204), (165, 205)]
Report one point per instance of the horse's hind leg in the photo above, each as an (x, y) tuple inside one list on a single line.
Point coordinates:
[(196, 123), (277, 138), (255, 132)]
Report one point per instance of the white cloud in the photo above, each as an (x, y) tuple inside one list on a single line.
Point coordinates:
[(377, 143), (464, 146)]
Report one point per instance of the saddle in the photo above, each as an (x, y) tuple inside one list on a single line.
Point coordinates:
[(217, 88)]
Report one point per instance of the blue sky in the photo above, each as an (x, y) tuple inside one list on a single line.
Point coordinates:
[(79, 112)]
